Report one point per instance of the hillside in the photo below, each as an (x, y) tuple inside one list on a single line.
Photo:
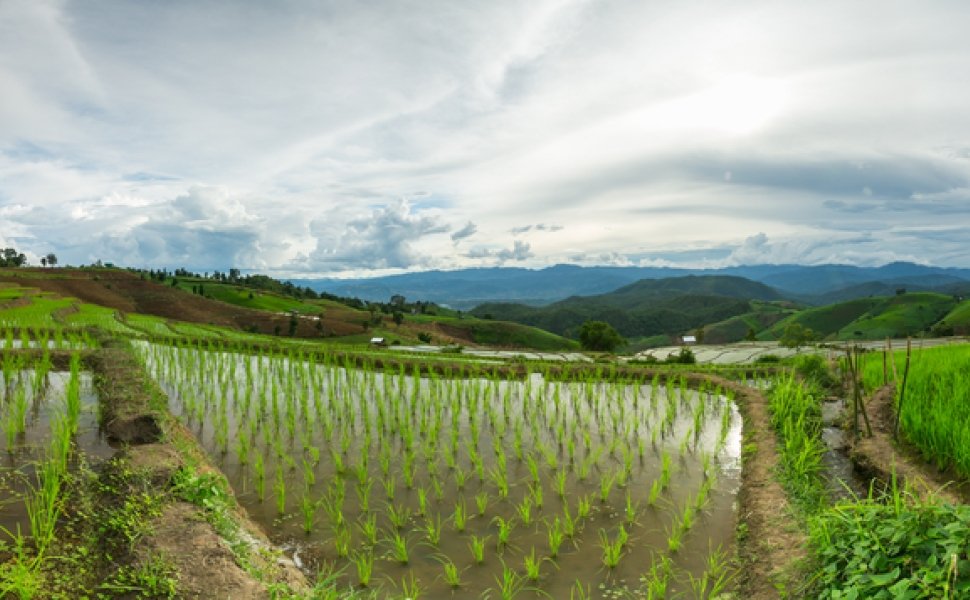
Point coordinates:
[(207, 302), (957, 321), (901, 315), (763, 315), (643, 309)]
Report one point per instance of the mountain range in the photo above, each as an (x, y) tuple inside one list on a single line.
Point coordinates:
[(814, 285)]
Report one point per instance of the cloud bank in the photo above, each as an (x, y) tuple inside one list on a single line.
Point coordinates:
[(355, 138)]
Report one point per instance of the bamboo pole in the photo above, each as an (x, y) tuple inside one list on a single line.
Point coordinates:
[(902, 389), (862, 406)]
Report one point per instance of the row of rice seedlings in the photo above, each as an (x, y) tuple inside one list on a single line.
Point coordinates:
[(49, 338), (44, 496), (297, 405)]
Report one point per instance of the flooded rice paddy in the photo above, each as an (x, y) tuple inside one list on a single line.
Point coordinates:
[(33, 403), (469, 486)]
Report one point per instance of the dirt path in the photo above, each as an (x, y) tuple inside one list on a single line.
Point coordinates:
[(769, 538), (880, 456)]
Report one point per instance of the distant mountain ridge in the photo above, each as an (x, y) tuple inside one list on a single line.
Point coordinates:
[(466, 288)]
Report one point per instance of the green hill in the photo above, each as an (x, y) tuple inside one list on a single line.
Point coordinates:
[(826, 320), (899, 316), (643, 309), (874, 318), (957, 321), (763, 316)]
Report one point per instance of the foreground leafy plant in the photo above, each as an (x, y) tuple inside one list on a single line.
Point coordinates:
[(901, 549)]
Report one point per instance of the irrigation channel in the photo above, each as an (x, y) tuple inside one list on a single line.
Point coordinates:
[(485, 485)]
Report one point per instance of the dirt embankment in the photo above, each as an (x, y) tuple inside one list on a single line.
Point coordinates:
[(127, 292), (881, 456), (157, 447)]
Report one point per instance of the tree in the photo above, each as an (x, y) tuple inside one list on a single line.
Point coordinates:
[(599, 335), (751, 335), (796, 335), (398, 317), (51, 259), (9, 257)]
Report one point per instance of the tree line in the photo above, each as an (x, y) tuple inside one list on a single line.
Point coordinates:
[(10, 257)]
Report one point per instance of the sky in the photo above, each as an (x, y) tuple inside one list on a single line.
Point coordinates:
[(346, 138)]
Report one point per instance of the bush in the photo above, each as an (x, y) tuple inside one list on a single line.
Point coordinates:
[(685, 357), (425, 337), (814, 370)]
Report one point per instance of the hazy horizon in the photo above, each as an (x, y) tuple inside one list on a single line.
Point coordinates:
[(341, 139)]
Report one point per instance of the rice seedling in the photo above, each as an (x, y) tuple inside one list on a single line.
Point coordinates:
[(459, 518), (532, 566), (432, 530), (280, 488), (612, 550), (555, 536), (477, 546), (398, 515), (524, 511), (367, 525), (308, 508), (400, 550), (364, 562), (341, 541), (450, 572), (481, 502), (606, 484)]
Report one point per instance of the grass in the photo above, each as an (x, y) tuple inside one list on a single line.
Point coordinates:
[(796, 415), (935, 416)]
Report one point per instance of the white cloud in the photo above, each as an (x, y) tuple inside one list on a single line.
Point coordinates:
[(281, 137)]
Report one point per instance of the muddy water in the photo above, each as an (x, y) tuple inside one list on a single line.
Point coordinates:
[(841, 479), (19, 454), (608, 429)]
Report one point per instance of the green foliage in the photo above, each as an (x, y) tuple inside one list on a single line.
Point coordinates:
[(153, 578), (893, 550), (815, 371), (796, 335), (684, 357), (9, 257), (599, 336)]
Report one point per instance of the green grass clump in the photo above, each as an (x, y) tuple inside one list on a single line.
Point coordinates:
[(796, 415)]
